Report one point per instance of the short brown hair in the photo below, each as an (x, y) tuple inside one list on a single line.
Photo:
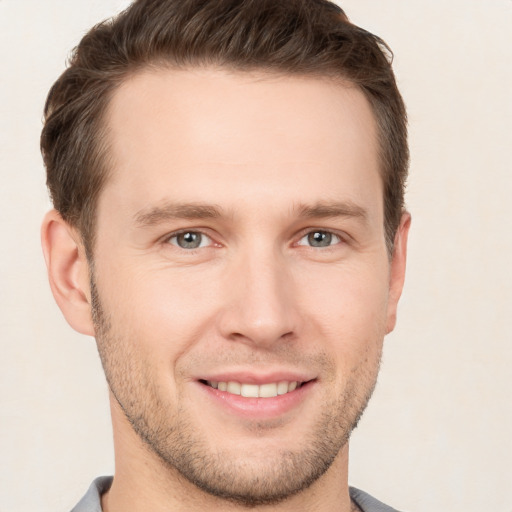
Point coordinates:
[(298, 37)]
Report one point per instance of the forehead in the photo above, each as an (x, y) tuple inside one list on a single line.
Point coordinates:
[(213, 135)]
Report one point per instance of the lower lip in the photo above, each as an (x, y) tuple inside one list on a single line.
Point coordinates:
[(259, 408)]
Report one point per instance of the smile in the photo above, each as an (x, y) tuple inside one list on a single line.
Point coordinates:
[(269, 390)]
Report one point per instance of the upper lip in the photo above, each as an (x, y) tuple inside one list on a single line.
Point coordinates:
[(257, 378)]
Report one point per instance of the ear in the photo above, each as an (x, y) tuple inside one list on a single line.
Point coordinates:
[(397, 270), (68, 271)]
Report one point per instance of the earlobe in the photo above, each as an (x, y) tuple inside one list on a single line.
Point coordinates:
[(68, 271), (397, 270)]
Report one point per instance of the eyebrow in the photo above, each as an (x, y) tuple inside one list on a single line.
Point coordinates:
[(155, 215), (323, 210), (168, 211)]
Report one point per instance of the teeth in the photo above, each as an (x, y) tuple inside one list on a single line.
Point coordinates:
[(269, 390), (282, 388), (234, 388), (250, 390)]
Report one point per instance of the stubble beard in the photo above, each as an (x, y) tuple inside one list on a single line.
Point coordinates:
[(229, 475)]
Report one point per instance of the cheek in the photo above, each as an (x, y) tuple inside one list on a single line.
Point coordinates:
[(347, 307), (353, 298), (163, 309)]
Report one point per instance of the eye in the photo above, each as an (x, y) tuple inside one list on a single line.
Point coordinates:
[(190, 240), (320, 239)]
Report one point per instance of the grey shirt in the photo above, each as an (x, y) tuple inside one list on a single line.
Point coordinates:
[(91, 501)]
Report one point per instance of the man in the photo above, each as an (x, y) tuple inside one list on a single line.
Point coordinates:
[(229, 224)]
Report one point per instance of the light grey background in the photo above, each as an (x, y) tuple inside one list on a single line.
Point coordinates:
[(437, 435)]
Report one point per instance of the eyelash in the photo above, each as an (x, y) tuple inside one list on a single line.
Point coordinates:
[(304, 234), (330, 234), (185, 232)]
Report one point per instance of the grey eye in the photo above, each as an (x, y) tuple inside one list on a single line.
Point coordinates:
[(320, 239), (189, 240)]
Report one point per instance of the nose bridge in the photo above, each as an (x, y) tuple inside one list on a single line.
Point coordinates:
[(261, 309)]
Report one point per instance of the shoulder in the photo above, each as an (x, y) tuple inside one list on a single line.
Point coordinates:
[(368, 503), (91, 502)]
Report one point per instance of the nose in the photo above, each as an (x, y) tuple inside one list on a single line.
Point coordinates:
[(260, 306)]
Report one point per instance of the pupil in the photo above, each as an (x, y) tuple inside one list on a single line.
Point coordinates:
[(189, 240), (320, 239)]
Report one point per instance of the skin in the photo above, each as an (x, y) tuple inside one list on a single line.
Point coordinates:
[(253, 164)]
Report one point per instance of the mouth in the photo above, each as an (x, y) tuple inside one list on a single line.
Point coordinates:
[(259, 398), (267, 390)]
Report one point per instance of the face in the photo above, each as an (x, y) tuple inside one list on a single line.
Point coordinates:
[(241, 283)]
